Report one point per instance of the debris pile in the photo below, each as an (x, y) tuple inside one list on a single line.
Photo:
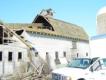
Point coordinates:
[(29, 71)]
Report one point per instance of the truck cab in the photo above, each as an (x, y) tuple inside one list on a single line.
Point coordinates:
[(82, 69)]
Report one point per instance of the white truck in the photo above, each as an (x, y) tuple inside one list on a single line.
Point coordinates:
[(82, 69)]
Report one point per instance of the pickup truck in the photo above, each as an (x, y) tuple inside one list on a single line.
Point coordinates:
[(82, 69)]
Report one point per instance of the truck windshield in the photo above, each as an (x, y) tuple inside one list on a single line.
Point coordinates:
[(82, 63)]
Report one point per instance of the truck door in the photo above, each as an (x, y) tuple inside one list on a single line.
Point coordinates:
[(97, 71)]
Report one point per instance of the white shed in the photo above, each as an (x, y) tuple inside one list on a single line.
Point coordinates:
[(98, 46)]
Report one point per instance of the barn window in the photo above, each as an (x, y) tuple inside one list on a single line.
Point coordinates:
[(57, 61), (36, 54), (56, 55), (0, 56), (19, 55), (86, 54), (46, 53), (77, 55), (10, 56), (64, 54)]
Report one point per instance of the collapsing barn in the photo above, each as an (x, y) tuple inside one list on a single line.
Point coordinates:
[(24, 65), (8, 48), (55, 41)]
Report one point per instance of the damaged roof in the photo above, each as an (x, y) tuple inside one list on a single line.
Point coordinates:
[(55, 27)]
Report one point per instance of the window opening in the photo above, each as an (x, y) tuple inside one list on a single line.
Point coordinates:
[(19, 55), (0, 55), (10, 56)]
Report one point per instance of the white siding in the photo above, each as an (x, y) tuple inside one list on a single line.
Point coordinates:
[(42, 45), (1, 67), (98, 47), (7, 67), (45, 44), (82, 49), (51, 45)]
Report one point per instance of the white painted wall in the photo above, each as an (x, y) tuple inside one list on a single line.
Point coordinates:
[(98, 47), (52, 44), (82, 50), (42, 45), (7, 67)]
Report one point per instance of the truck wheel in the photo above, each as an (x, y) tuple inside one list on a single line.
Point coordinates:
[(81, 79)]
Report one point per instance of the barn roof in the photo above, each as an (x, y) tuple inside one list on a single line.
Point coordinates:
[(56, 28)]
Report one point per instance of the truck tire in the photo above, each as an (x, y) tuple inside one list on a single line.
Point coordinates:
[(81, 79)]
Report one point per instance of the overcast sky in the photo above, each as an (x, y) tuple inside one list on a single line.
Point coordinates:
[(80, 12)]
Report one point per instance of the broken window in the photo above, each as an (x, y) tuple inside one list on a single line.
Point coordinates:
[(10, 56), (1, 40), (1, 31), (19, 32), (0, 55), (45, 22), (5, 34), (19, 55)]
